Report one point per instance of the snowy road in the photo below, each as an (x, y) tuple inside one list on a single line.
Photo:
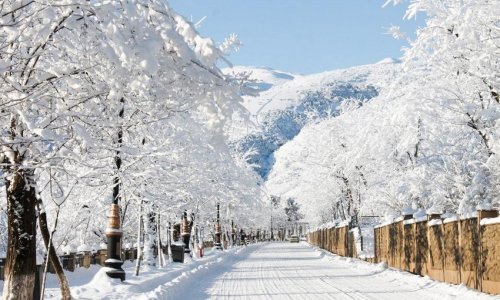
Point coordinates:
[(298, 271)]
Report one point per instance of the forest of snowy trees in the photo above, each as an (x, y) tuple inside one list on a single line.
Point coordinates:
[(428, 142), (122, 102), (110, 101)]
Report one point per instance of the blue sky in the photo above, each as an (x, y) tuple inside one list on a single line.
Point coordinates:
[(302, 36)]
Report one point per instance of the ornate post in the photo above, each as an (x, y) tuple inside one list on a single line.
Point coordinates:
[(218, 232), (113, 231), (185, 232), (242, 237), (272, 234), (114, 235), (233, 233)]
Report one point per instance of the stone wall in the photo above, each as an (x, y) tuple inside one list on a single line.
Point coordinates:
[(454, 251)]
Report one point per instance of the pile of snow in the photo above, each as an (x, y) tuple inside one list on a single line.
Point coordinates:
[(84, 248), (368, 249), (161, 283), (69, 248)]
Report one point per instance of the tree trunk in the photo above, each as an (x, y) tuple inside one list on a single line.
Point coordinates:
[(54, 259), (149, 239), (169, 241), (21, 252), (139, 252), (161, 261)]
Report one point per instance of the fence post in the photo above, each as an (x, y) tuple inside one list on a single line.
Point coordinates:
[(406, 241), (482, 214), (438, 239)]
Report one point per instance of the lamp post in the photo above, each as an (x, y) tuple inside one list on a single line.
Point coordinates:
[(114, 235), (272, 235), (218, 232), (113, 231), (233, 233), (185, 232)]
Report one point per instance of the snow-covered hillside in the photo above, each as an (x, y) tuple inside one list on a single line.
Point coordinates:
[(287, 102), (280, 90)]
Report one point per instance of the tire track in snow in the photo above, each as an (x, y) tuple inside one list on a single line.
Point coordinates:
[(298, 271)]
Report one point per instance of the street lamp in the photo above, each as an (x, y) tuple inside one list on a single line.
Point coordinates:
[(218, 232), (233, 234), (113, 231), (185, 232), (114, 249), (272, 235)]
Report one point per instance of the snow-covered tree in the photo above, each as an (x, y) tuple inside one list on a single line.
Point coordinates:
[(101, 101), (429, 141)]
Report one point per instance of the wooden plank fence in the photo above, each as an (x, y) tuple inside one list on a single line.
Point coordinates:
[(461, 251)]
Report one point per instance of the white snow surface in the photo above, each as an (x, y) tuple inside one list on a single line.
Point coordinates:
[(368, 242), (299, 271), (263, 271), (490, 221), (280, 90), (284, 89)]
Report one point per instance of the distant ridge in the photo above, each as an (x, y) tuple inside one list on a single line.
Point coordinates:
[(288, 101)]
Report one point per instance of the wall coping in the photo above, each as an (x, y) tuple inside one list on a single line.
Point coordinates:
[(415, 220), (489, 221), (434, 222), (330, 225), (430, 222), (451, 219)]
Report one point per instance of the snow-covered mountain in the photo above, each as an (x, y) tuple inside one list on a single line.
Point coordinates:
[(287, 102)]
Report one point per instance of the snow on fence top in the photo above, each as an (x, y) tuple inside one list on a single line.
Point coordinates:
[(489, 221), (435, 222), (416, 217), (329, 225)]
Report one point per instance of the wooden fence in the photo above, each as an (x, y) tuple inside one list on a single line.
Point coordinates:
[(338, 240), (461, 251)]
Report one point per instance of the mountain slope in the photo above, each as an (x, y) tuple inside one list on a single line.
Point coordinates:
[(287, 102)]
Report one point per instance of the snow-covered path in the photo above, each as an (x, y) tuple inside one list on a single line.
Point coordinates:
[(298, 271)]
